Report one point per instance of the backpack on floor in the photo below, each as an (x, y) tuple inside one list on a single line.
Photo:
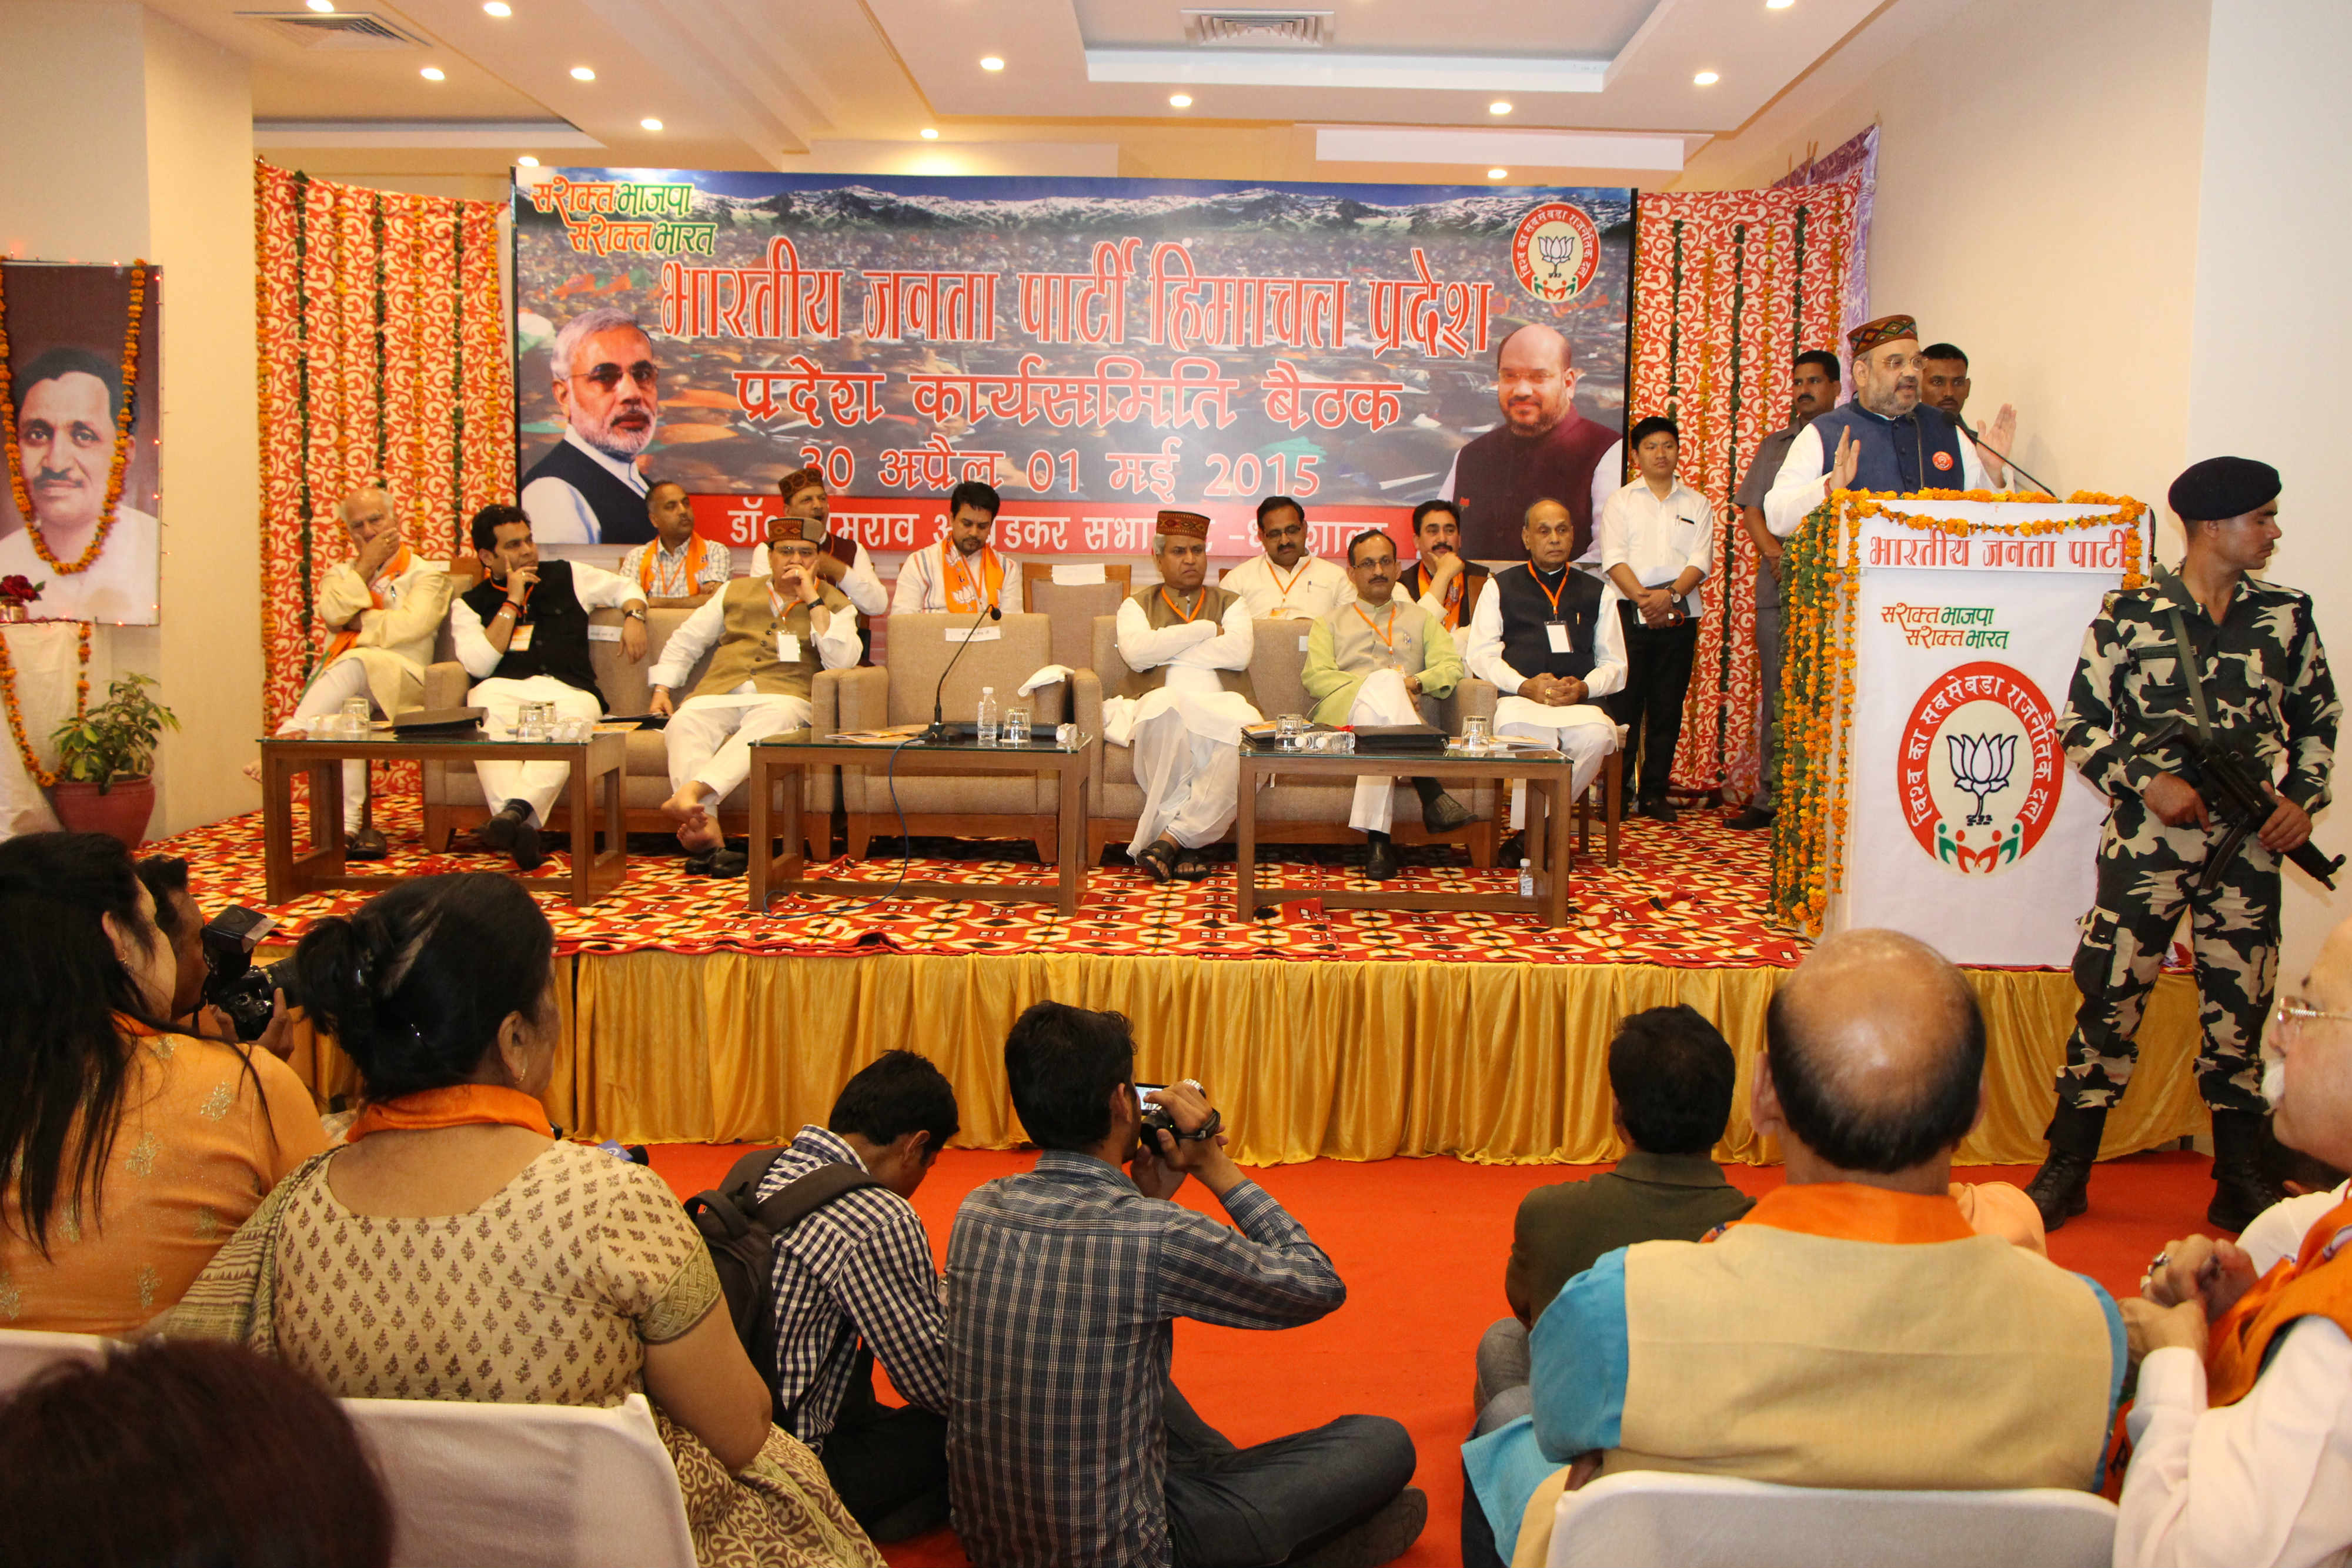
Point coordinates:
[(741, 1236)]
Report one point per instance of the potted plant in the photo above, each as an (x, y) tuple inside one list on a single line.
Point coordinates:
[(106, 762)]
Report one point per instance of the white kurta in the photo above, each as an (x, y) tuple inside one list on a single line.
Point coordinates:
[(1185, 735), (1803, 482), (1307, 592), (1584, 731), (538, 783), (386, 666), (708, 736), (923, 578)]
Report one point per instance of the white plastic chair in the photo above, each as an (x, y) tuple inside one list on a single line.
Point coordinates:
[(525, 1485), (27, 1352), (1653, 1519)]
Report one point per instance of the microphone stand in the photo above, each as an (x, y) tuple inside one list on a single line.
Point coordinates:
[(938, 734), (1983, 446)]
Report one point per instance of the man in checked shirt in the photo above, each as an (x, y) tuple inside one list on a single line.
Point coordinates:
[(854, 1282), (1066, 1443)]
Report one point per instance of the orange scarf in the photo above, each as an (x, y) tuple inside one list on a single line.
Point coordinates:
[(346, 639), (1452, 616), (695, 555), (1853, 1211), (956, 580), (457, 1105), (2314, 1283)]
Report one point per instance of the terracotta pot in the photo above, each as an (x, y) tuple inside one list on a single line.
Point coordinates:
[(122, 811)]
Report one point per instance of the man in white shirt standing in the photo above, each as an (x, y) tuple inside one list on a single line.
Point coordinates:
[(1286, 582), (522, 633), (962, 573), (779, 630), (677, 568), (587, 489), (1656, 547)]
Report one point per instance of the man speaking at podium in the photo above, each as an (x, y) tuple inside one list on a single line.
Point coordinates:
[(1885, 439)]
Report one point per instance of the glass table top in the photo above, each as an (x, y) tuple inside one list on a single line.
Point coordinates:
[(911, 737)]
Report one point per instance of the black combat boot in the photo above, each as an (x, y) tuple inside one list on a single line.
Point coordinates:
[(2061, 1190), (2240, 1188)]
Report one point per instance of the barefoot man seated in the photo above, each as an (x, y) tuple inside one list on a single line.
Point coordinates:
[(773, 632)]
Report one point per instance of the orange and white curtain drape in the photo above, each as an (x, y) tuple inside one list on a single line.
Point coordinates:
[(1728, 288), (383, 361)]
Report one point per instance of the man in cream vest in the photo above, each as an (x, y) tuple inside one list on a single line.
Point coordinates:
[(1187, 694), (774, 631), (381, 610), (1852, 1330)]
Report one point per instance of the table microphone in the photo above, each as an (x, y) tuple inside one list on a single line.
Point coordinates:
[(939, 733), (1983, 446)]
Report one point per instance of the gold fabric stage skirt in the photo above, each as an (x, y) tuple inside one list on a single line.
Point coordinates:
[(1496, 1062)]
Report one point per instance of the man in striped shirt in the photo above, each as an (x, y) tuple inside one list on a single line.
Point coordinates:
[(853, 1283), (1066, 1442), (677, 568)]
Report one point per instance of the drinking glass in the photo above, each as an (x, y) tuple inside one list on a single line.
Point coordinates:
[(1288, 729), (1474, 734), (354, 717), (1016, 726)]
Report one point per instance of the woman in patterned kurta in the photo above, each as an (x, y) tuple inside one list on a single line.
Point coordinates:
[(558, 1275)]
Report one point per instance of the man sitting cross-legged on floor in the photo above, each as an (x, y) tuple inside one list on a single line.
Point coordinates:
[(854, 1284), (1852, 1330), (1671, 1075), (774, 632), (1368, 661), (1066, 1442)]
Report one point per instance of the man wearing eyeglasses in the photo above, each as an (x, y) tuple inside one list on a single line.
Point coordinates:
[(588, 489)]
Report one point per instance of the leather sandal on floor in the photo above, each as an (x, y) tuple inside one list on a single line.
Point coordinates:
[(1193, 866), (1159, 860)]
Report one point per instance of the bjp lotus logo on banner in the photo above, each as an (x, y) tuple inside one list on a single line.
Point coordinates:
[(1979, 769), (1555, 251)]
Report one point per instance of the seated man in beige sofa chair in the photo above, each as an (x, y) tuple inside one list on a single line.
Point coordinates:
[(778, 631)]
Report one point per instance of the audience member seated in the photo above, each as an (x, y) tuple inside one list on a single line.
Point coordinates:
[(453, 1249), (962, 573), (1440, 579), (854, 1284), (384, 608), (773, 632), (2242, 1428), (1068, 1444), (1671, 1076), (182, 1452), (1285, 581), (1852, 1330), (678, 568), (182, 927), (2311, 1185), (1370, 661), (133, 1150), (842, 562), (522, 633)]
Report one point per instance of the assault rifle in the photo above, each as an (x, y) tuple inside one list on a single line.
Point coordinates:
[(2232, 789)]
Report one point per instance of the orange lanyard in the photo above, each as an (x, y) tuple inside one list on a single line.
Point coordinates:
[(1551, 593), (1175, 609), (694, 554), (1296, 572), (777, 603), (964, 595), (1388, 638)]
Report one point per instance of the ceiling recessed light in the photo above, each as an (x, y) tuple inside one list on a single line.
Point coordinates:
[(1778, 5), (650, 123), (1500, 106), (498, 7), (990, 63), (1180, 100), (434, 73), (322, 4), (528, 162), (1498, 174), (581, 73), (1705, 79), (931, 133)]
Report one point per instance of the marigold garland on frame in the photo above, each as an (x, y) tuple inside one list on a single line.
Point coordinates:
[(123, 419)]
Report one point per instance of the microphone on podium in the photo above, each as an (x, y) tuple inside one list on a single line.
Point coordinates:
[(2005, 458), (939, 733)]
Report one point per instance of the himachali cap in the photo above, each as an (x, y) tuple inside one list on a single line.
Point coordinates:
[(1885, 330), (1192, 525), (2221, 487)]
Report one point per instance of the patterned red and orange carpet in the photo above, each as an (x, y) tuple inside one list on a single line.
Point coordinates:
[(1692, 896)]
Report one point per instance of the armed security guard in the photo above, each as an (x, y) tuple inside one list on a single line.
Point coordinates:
[(2251, 695)]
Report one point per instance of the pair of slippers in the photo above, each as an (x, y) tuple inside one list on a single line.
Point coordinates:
[(718, 862), (1164, 863)]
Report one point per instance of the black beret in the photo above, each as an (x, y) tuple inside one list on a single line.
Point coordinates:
[(2221, 487)]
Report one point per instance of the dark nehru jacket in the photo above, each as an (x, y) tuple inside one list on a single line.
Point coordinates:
[(1897, 453), (1499, 475), (559, 638), (621, 517), (1525, 607)]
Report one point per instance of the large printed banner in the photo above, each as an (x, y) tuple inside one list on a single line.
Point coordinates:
[(1094, 349), (1968, 829)]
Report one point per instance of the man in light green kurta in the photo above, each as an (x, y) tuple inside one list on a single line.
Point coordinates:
[(1370, 661)]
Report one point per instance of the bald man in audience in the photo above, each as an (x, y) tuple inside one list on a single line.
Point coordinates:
[(1852, 1330)]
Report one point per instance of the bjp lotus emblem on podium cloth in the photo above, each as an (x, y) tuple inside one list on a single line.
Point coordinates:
[(1980, 767), (1556, 251)]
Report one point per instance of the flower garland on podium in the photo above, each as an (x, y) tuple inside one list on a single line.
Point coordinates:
[(1820, 567), (122, 422)]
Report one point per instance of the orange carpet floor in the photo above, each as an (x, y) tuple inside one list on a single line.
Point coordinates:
[(1422, 1243)]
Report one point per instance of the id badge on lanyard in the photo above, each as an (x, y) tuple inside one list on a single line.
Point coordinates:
[(788, 647), (1556, 634), (518, 640)]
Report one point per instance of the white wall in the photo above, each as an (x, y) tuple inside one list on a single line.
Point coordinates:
[(2272, 332)]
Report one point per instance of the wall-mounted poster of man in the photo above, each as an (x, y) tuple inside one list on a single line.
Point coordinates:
[(81, 387), (588, 489)]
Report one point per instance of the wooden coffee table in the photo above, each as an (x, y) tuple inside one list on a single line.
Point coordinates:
[(1550, 796), (596, 778), (782, 759)]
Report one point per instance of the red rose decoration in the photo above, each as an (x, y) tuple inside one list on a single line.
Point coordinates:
[(19, 590)]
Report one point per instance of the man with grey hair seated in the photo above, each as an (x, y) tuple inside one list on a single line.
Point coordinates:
[(382, 609), (588, 489)]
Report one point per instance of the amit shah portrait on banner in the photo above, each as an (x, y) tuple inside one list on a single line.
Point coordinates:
[(78, 401), (1094, 349)]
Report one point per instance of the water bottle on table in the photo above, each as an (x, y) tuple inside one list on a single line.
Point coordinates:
[(988, 716), (1526, 879)]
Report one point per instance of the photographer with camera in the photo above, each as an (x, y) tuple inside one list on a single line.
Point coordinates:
[(214, 971), (1066, 1442), (133, 1150)]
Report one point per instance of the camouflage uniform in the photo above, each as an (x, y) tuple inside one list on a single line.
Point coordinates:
[(2265, 683)]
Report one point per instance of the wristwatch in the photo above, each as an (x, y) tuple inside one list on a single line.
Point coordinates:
[(633, 615)]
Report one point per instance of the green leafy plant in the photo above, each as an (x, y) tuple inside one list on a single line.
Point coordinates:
[(115, 738)]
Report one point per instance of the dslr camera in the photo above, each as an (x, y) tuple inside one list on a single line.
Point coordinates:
[(233, 983)]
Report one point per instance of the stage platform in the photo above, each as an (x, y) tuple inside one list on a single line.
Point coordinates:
[(1354, 1034)]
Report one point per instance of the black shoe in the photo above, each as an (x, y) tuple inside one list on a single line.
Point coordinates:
[(364, 844), (1749, 820), (515, 831), (1658, 810), (498, 835), (2061, 1190), (1440, 813), (2240, 1189), (1384, 1537), (1510, 852), (1381, 861)]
